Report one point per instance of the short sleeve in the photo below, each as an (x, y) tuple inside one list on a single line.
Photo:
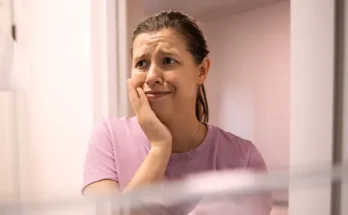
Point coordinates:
[(100, 161), (261, 203), (256, 161)]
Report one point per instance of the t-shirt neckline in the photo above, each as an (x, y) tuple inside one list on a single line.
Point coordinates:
[(178, 156)]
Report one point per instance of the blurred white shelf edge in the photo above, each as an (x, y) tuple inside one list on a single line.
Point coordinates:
[(213, 186)]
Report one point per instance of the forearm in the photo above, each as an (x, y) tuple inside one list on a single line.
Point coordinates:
[(152, 169)]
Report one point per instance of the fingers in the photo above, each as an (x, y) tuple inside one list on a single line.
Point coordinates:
[(142, 96), (133, 96), (137, 97)]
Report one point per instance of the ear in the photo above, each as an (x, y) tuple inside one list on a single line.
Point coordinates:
[(203, 71)]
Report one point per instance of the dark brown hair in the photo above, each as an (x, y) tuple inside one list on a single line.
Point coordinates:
[(195, 42)]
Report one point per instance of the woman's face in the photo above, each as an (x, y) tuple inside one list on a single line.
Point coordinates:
[(167, 72)]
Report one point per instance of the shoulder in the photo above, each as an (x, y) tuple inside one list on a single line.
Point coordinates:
[(231, 142), (117, 125), (232, 147), (116, 130), (113, 123)]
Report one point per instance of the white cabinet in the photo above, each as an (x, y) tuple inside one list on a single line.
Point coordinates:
[(7, 111), (56, 114)]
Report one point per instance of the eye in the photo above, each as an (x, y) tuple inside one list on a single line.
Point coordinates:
[(168, 60), (141, 64)]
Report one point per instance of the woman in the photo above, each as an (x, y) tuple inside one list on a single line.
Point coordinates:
[(169, 137)]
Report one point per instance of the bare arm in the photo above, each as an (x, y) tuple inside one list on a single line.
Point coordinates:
[(102, 186), (151, 171), (153, 167)]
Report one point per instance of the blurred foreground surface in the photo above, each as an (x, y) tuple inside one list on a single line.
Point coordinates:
[(208, 193)]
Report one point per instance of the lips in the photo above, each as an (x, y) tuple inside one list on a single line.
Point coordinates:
[(156, 94)]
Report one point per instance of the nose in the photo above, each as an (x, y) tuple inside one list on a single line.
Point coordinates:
[(154, 76)]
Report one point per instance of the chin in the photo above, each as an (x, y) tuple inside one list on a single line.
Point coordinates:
[(162, 113)]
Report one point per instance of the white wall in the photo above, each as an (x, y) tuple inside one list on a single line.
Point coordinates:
[(7, 141), (57, 36), (248, 85), (7, 113), (249, 82)]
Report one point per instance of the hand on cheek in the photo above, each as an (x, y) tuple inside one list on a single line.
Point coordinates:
[(138, 81), (157, 133)]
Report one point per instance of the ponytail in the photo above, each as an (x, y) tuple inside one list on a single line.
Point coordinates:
[(202, 111)]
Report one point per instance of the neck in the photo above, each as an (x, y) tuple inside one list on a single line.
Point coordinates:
[(187, 132)]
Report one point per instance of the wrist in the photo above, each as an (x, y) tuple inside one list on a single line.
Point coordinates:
[(162, 151)]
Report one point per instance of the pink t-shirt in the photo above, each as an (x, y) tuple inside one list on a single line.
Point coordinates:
[(118, 147)]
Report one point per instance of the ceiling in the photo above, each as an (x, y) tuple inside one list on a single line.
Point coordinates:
[(205, 9)]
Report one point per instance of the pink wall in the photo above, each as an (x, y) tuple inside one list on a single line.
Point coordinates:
[(249, 82)]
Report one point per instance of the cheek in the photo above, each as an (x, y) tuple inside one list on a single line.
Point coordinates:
[(185, 88), (138, 78), (184, 83)]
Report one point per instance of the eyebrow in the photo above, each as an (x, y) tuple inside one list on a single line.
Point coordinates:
[(141, 56), (169, 53), (162, 52), (143, 53)]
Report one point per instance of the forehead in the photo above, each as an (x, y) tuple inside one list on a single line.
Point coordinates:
[(165, 39)]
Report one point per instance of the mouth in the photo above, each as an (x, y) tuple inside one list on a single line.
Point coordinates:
[(156, 94)]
